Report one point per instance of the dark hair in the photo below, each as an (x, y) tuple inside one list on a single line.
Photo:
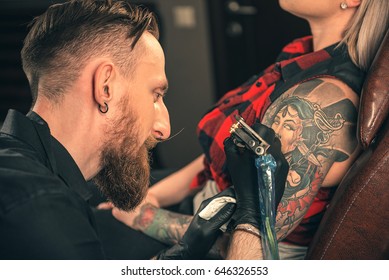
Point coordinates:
[(62, 39)]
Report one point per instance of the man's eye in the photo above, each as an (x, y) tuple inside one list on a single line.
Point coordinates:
[(157, 96)]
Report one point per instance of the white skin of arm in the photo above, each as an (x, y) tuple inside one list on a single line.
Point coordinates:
[(174, 188)]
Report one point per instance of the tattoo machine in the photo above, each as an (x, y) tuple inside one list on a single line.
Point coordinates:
[(245, 137)]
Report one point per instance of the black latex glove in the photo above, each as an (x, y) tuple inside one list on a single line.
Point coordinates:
[(243, 173), (201, 234), (282, 168)]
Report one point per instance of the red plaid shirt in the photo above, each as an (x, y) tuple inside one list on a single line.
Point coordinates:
[(296, 64)]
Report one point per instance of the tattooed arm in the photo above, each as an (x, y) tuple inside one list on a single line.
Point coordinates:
[(160, 224), (316, 123), (163, 225)]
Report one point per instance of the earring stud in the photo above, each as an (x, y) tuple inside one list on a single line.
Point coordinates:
[(343, 5)]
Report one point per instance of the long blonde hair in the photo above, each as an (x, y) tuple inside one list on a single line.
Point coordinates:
[(366, 31)]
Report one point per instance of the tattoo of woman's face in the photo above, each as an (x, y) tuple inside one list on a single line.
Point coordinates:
[(288, 128), (304, 130)]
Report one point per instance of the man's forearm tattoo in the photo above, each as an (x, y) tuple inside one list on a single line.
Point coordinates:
[(166, 226)]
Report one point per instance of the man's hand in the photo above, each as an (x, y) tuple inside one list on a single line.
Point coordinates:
[(243, 173), (204, 228)]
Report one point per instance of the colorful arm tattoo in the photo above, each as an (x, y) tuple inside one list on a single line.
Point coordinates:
[(163, 225), (316, 124)]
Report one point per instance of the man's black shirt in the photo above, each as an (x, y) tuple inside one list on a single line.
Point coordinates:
[(44, 212)]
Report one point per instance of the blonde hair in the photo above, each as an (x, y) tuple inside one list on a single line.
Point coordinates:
[(366, 31)]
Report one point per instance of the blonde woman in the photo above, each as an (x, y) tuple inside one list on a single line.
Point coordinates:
[(325, 70)]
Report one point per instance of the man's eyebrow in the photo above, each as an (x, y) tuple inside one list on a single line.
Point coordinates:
[(164, 87)]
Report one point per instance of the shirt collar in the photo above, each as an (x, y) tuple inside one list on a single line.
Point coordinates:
[(307, 58), (34, 131)]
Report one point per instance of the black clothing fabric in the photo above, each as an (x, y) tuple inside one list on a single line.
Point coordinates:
[(121, 242), (44, 212)]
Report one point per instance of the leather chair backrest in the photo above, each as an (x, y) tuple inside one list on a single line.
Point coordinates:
[(374, 107), (356, 224)]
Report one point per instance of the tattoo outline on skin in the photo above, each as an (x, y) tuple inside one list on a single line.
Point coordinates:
[(311, 131)]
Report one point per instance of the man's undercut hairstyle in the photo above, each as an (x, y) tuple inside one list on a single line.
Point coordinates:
[(67, 35)]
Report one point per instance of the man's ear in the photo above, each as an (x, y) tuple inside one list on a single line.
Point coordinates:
[(103, 83)]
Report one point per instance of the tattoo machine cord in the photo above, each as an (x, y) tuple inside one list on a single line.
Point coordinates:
[(245, 137)]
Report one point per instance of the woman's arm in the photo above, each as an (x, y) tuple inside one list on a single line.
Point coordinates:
[(316, 123), (174, 188)]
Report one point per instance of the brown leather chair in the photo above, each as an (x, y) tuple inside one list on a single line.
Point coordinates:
[(356, 224)]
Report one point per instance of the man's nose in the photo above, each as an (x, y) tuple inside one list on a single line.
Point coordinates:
[(161, 128)]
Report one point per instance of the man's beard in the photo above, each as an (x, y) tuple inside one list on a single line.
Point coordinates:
[(124, 178)]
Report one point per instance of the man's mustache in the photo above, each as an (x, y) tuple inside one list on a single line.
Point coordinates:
[(151, 142)]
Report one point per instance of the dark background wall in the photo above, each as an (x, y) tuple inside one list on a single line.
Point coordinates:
[(211, 46)]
